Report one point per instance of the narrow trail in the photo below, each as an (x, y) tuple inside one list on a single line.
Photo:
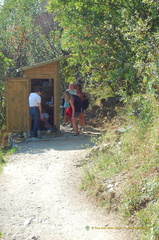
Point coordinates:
[(40, 196)]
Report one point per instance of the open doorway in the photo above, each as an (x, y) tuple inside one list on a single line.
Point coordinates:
[(47, 99)]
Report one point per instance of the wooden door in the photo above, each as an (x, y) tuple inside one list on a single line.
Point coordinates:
[(17, 109)]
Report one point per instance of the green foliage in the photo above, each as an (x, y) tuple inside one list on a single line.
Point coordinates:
[(143, 108), (112, 41), (1, 160), (28, 34), (5, 63)]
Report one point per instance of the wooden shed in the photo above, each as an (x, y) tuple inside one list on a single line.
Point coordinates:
[(44, 75)]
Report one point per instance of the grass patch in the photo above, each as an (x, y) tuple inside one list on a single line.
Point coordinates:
[(11, 151), (4, 155), (123, 171), (2, 161)]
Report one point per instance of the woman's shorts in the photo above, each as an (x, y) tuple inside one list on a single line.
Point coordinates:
[(77, 114)]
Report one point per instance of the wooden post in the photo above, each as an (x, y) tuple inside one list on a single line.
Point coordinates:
[(57, 98)]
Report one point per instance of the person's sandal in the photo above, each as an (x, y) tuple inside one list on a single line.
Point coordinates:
[(75, 134)]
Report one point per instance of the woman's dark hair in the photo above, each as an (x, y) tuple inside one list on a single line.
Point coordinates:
[(78, 85)]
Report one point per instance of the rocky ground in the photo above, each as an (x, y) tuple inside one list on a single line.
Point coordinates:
[(41, 197)]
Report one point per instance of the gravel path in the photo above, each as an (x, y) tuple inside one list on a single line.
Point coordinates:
[(40, 195)]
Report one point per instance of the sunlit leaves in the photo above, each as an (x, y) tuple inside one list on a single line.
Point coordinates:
[(115, 38), (29, 34)]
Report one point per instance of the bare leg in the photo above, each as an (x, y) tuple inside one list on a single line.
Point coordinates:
[(81, 120), (65, 118), (75, 125)]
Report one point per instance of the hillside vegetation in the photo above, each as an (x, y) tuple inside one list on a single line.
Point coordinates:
[(122, 171)]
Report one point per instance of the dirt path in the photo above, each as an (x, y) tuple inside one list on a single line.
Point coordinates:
[(40, 196)]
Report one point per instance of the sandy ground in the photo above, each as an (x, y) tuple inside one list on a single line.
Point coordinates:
[(41, 198)]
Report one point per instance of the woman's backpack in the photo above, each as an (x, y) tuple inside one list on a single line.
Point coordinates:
[(85, 104)]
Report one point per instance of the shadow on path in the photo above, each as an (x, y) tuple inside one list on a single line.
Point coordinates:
[(63, 142)]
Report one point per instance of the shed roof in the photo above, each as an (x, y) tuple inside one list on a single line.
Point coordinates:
[(43, 63)]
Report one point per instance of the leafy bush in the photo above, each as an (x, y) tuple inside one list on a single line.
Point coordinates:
[(3, 138), (143, 109), (2, 104)]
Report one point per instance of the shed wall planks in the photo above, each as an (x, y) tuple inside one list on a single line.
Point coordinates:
[(17, 92)]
